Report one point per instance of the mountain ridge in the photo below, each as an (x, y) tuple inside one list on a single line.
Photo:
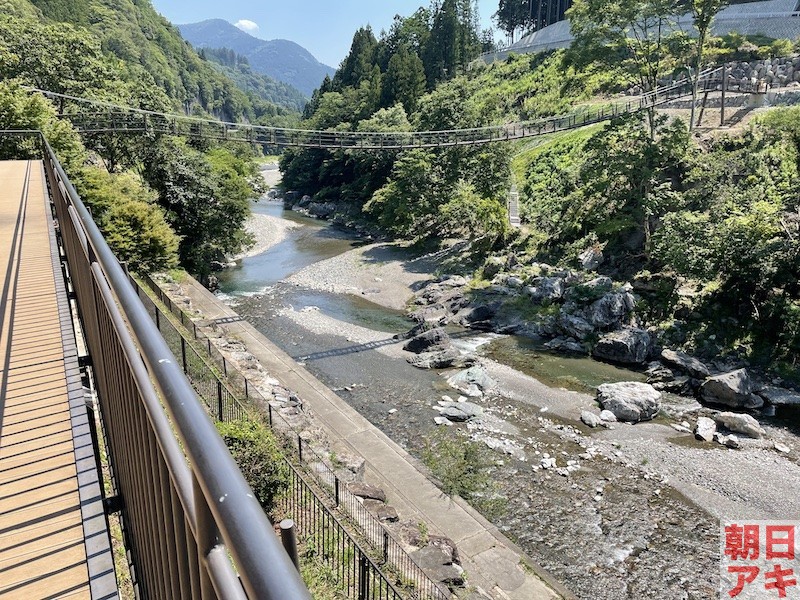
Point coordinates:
[(281, 59)]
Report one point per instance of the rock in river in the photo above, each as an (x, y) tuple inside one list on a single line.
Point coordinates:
[(780, 396), (630, 400), (472, 382), (731, 389), (685, 363), (428, 341), (627, 346), (590, 419), (460, 411)]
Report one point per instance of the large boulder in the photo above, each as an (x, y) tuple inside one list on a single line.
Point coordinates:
[(731, 389), (429, 341), (590, 259), (479, 317), (684, 362), (780, 396), (740, 423), (627, 346), (611, 309), (460, 411), (366, 491), (630, 400), (441, 359), (322, 210)]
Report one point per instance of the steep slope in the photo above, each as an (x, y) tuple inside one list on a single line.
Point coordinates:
[(152, 52), (280, 59), (238, 69)]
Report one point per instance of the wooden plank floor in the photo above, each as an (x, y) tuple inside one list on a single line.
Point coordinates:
[(42, 552)]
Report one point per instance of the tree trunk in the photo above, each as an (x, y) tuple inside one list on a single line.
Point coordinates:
[(701, 42)]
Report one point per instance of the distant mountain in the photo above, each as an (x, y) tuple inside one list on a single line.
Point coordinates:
[(280, 59)]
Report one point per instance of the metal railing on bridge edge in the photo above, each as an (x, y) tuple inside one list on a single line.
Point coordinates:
[(194, 526), (229, 394)]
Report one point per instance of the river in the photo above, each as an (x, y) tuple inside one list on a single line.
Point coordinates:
[(613, 529)]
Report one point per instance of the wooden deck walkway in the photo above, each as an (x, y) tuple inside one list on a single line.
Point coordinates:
[(53, 535)]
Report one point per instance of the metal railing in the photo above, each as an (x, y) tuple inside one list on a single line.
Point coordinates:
[(331, 490), (194, 527)]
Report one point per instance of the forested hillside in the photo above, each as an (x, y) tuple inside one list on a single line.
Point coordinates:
[(237, 68), (158, 200), (705, 229)]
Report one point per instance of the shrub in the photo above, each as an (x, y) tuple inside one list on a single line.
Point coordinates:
[(259, 457)]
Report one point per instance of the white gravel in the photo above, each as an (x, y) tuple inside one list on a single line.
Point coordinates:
[(377, 272), (267, 231)]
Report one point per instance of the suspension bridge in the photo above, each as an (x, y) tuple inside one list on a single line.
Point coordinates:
[(98, 117)]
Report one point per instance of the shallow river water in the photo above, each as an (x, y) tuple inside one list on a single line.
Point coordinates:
[(606, 531)]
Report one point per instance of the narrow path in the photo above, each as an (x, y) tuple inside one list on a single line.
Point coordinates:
[(53, 537)]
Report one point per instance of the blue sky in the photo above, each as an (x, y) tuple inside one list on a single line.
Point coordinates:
[(324, 27)]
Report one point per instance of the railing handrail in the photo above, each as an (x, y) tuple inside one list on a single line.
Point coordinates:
[(264, 568)]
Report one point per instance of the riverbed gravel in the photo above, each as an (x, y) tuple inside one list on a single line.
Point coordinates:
[(638, 514)]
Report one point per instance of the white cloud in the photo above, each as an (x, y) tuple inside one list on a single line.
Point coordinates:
[(247, 25)]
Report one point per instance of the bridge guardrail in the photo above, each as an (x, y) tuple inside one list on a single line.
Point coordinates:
[(415, 583), (194, 527)]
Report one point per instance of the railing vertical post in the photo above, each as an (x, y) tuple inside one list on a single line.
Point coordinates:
[(246, 389), (363, 577), (336, 490), (158, 319), (289, 541), (183, 354), (219, 401), (206, 537), (385, 546), (224, 366), (269, 410), (300, 447), (724, 89)]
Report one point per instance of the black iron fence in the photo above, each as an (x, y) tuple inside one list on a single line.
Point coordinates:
[(331, 490), (193, 526)]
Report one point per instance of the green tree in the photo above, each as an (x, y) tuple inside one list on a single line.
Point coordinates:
[(133, 224), (632, 36), (259, 457), (513, 15), (20, 109), (206, 199), (404, 81), (703, 13), (357, 65), (628, 178), (453, 42)]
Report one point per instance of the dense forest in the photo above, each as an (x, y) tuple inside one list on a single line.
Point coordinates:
[(160, 201)]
